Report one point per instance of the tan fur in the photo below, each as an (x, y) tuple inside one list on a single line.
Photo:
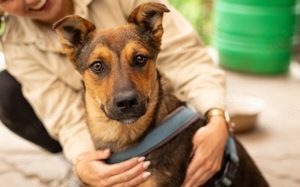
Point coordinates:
[(138, 16), (103, 91), (67, 44), (105, 131), (112, 134), (151, 182)]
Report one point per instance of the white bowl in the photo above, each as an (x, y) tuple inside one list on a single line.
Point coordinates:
[(244, 110)]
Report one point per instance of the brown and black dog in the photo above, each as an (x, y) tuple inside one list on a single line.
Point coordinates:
[(125, 95)]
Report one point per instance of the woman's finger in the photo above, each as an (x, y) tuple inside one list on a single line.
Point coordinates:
[(116, 169), (197, 162), (197, 178), (203, 174), (137, 180), (129, 175)]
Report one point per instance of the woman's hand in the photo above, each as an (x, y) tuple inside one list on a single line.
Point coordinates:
[(92, 170), (209, 143)]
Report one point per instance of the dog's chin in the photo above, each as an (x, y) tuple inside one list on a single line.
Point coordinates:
[(128, 121)]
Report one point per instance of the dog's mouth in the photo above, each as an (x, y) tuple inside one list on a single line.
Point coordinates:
[(127, 117), (128, 121)]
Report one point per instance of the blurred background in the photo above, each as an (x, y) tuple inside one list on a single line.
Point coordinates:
[(257, 43), (200, 14)]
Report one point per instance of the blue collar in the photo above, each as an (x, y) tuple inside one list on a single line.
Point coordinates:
[(171, 126)]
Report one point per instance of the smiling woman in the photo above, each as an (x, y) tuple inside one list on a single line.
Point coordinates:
[(47, 11), (43, 4)]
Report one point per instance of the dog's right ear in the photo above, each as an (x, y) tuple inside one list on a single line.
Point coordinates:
[(72, 31)]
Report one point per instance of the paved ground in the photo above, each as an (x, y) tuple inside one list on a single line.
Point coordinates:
[(274, 143)]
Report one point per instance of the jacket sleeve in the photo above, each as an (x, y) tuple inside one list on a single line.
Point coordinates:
[(59, 105), (185, 62)]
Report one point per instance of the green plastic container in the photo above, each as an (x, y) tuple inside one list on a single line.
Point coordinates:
[(278, 3), (255, 36), (296, 39)]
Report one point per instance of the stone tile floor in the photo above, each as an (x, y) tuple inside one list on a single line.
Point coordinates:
[(274, 143)]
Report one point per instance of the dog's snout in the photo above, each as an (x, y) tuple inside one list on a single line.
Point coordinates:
[(127, 106), (126, 101)]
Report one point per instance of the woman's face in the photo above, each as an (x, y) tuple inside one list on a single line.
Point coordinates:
[(48, 11)]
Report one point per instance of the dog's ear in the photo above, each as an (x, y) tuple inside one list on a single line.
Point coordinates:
[(148, 17), (72, 32)]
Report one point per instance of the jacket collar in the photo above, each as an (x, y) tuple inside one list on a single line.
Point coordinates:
[(26, 31)]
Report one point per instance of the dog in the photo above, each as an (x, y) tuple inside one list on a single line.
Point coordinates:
[(126, 97)]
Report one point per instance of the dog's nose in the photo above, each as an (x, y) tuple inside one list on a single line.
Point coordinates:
[(126, 101)]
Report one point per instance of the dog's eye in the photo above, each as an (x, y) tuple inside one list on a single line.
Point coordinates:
[(140, 60), (97, 67)]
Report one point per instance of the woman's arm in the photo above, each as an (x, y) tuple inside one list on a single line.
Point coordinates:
[(57, 104)]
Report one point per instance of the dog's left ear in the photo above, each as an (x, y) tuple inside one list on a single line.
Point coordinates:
[(72, 32), (148, 17)]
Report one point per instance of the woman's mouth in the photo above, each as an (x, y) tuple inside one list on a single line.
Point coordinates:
[(40, 6)]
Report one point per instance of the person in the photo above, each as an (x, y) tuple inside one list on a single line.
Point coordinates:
[(41, 93)]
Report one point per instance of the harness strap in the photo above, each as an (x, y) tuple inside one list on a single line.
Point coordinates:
[(171, 126), (230, 167)]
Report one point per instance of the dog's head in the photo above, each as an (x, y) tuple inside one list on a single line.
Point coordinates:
[(118, 64)]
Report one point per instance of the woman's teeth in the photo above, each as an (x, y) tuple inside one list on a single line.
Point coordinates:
[(39, 5)]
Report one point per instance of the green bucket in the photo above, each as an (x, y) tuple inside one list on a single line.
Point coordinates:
[(278, 3), (255, 36), (296, 39)]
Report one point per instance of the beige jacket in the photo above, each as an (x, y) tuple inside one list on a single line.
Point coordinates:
[(34, 57)]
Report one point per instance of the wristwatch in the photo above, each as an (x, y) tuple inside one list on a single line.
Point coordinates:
[(222, 113), (230, 164)]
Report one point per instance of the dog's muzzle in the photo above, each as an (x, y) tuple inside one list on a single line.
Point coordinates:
[(126, 107)]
